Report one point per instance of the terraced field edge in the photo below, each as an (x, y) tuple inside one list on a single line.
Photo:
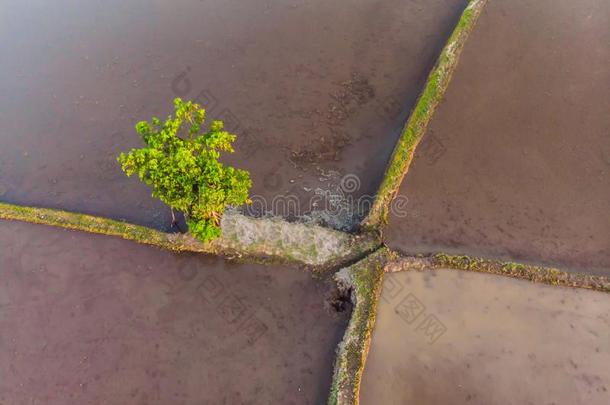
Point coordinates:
[(363, 282), (434, 90), (537, 274), (242, 237)]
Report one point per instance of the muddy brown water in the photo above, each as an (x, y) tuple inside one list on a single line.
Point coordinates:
[(314, 89), (516, 161), (452, 337), (89, 319)]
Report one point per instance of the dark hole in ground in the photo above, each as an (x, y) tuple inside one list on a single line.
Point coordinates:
[(339, 300)]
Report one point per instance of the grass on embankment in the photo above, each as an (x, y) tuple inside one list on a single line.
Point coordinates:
[(103, 226), (536, 274), (363, 281), (418, 121), (242, 237)]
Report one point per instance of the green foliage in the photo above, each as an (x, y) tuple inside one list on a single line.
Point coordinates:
[(180, 163)]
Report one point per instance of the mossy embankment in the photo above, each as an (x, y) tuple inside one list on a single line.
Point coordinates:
[(415, 128), (242, 236), (536, 274), (363, 282)]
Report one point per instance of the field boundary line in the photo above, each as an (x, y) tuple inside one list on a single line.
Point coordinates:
[(415, 128), (362, 281), (257, 239), (536, 274)]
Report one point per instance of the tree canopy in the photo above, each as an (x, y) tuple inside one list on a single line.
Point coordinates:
[(181, 164)]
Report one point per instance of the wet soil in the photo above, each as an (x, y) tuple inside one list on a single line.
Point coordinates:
[(314, 89), (96, 320), (516, 162), (452, 337)]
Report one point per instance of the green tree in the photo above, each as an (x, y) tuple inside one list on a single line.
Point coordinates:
[(180, 163)]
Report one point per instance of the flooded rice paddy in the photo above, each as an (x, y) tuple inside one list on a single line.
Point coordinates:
[(96, 320), (516, 161), (315, 90), (455, 337)]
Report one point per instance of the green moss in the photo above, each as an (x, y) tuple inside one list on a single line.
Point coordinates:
[(365, 279), (414, 130), (547, 275)]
